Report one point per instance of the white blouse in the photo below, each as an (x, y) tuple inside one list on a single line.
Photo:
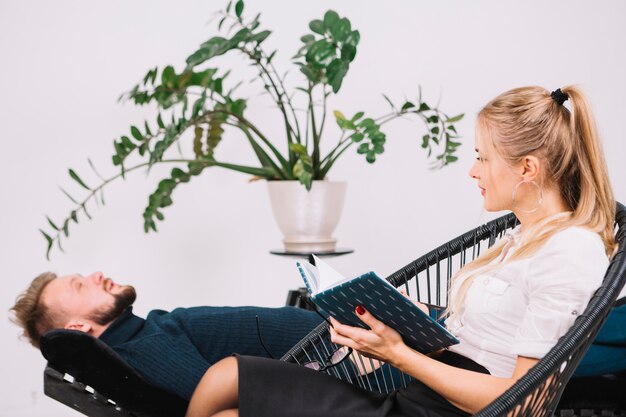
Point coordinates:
[(522, 307)]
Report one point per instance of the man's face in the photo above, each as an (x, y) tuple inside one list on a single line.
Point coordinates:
[(92, 298)]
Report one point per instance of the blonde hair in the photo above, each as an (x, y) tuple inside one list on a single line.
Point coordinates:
[(31, 314), (528, 121)]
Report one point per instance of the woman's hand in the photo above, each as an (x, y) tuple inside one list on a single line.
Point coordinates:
[(381, 342), (421, 306)]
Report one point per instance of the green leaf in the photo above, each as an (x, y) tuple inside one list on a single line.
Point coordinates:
[(54, 226), (261, 36), (238, 106), (160, 122), (331, 18), (363, 148), (198, 105), (339, 115), (348, 52), (370, 157), (69, 196), (311, 74), (66, 229), (219, 25), (148, 131), (298, 148), (255, 22), (308, 39), (306, 178), (353, 38), (298, 168), (357, 137), (424, 107), (127, 144), (178, 173), (76, 178), (367, 123), (50, 242), (335, 72), (168, 77), (455, 118), (239, 8), (407, 105), (321, 53), (213, 47), (425, 140), (340, 30), (388, 100), (317, 26), (357, 116)]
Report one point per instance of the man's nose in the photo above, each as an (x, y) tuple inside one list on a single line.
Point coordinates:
[(97, 277)]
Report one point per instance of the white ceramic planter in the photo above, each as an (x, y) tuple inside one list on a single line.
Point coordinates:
[(307, 219)]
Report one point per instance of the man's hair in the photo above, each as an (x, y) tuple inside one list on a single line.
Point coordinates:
[(30, 313)]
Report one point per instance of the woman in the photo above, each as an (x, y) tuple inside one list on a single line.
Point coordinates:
[(507, 308)]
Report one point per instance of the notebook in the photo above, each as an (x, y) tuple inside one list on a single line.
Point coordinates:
[(338, 296)]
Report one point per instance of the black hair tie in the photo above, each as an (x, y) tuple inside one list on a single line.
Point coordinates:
[(559, 96)]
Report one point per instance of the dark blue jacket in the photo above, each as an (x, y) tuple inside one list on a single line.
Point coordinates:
[(173, 350)]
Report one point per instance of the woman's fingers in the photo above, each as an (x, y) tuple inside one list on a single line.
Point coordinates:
[(372, 322)]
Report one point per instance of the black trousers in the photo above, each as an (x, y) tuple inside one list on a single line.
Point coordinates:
[(271, 388)]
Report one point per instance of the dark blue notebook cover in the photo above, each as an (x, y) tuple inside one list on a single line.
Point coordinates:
[(381, 299)]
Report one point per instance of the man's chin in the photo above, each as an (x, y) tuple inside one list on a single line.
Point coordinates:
[(122, 300)]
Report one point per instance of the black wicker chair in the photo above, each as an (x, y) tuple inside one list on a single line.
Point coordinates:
[(427, 279)]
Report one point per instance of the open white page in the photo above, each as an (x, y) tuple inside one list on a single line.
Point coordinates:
[(327, 276)]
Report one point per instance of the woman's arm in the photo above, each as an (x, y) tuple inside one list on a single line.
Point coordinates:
[(468, 390)]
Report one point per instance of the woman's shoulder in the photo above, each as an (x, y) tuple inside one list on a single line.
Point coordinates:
[(576, 239), (570, 253)]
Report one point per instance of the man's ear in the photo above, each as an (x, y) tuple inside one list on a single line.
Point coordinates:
[(530, 168), (80, 326)]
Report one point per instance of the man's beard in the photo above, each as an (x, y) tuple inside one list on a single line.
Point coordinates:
[(121, 302)]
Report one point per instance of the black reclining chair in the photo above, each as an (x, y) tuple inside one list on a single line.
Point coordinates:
[(103, 385), (88, 376)]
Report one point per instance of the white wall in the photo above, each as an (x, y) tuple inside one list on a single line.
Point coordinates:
[(64, 63)]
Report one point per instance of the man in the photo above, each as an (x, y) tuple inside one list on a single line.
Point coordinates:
[(172, 350)]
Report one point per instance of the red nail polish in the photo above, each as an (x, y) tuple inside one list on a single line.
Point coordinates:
[(360, 310)]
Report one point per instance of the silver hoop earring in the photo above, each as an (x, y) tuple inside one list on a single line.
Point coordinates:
[(538, 189)]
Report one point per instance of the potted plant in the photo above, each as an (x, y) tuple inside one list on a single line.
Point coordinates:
[(198, 106)]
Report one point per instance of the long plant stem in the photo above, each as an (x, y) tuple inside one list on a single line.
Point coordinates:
[(282, 85), (257, 132), (323, 112), (316, 143), (263, 157), (331, 162), (279, 100)]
